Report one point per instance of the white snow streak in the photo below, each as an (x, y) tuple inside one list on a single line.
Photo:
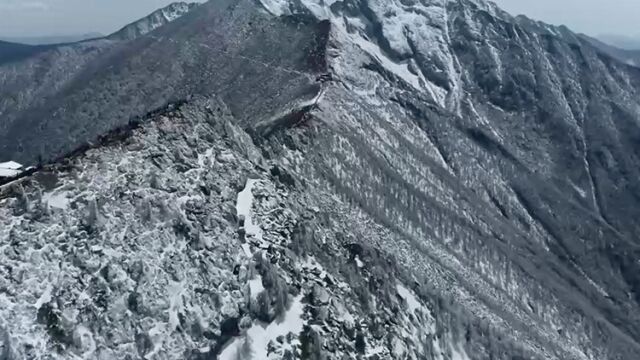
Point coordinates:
[(255, 286), (260, 334), (45, 297), (243, 208), (408, 296), (458, 354)]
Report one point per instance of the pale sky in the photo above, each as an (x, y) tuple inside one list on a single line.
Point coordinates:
[(20, 18), (23, 18), (593, 17)]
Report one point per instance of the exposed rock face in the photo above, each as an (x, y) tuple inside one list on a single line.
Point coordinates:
[(391, 179)]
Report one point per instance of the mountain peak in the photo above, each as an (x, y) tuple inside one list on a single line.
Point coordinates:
[(153, 21)]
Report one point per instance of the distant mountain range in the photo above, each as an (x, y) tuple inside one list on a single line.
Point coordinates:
[(13, 49), (628, 55), (621, 41), (50, 40), (131, 31)]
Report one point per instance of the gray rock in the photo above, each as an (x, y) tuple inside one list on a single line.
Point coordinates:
[(320, 295)]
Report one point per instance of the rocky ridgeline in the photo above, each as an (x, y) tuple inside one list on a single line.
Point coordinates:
[(153, 21), (136, 249)]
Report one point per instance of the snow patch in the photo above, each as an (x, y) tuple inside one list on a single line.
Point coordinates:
[(579, 190), (243, 208), (458, 354), (203, 158), (412, 301), (400, 70), (45, 298), (375, 351), (260, 334), (57, 199), (10, 169), (172, 15), (255, 286), (10, 165), (246, 249), (359, 262), (276, 7), (176, 291)]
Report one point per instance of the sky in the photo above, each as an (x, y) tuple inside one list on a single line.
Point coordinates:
[(592, 17), (25, 18), (22, 18)]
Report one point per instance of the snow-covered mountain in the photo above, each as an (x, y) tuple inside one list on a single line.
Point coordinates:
[(313, 179), (153, 21)]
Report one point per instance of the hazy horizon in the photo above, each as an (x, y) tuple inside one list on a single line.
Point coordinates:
[(45, 18), (592, 17)]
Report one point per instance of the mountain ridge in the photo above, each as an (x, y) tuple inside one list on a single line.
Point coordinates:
[(152, 21)]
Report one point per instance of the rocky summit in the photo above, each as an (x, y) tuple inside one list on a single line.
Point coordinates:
[(322, 179)]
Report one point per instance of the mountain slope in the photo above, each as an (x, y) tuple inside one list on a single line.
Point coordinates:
[(393, 179), (34, 76)]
